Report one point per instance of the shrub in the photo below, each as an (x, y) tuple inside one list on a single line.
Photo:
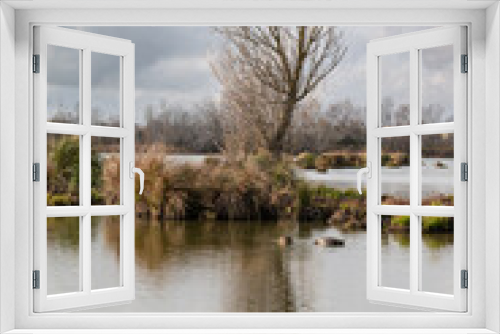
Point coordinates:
[(437, 224), (256, 188), (429, 224), (346, 159), (400, 224), (322, 163), (306, 160), (386, 159), (332, 160), (395, 159), (63, 171), (212, 160)]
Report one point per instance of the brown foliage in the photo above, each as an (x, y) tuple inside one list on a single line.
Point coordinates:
[(257, 188)]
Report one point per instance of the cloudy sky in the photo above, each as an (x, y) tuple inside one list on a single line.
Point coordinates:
[(172, 66)]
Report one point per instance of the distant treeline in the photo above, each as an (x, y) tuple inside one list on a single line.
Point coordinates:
[(199, 129), (338, 127), (341, 126)]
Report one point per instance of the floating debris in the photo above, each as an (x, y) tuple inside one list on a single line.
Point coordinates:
[(285, 241), (329, 242)]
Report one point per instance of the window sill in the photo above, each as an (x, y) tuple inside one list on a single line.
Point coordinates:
[(254, 331)]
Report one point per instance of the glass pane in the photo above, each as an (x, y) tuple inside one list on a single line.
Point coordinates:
[(105, 252), (437, 169), (437, 254), (395, 89), (395, 252), (437, 84), (63, 255), (63, 170), (395, 171), (63, 84), (105, 171), (105, 89)]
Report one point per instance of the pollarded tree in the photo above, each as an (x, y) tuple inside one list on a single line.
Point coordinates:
[(266, 72)]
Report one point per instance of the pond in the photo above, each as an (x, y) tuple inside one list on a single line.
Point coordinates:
[(220, 266)]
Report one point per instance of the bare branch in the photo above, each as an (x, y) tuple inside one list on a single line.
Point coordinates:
[(266, 72)]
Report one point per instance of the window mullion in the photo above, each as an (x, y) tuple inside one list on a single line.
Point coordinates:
[(414, 171), (82, 258), (85, 163), (86, 138)]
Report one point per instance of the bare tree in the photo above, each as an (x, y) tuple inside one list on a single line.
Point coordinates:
[(266, 72)]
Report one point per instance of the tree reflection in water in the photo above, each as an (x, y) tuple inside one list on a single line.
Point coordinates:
[(212, 266)]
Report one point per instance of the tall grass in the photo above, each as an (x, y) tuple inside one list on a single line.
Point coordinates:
[(255, 188)]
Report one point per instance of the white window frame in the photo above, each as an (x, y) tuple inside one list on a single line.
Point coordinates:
[(484, 46), (85, 44), (412, 44)]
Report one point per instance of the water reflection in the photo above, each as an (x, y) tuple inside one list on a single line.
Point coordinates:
[(215, 266), (63, 254)]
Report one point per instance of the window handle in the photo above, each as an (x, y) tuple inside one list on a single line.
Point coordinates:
[(367, 170), (134, 170)]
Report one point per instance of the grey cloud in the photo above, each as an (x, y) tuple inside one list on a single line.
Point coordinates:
[(155, 44), (171, 64), (62, 66), (437, 58), (105, 71), (348, 81), (176, 74)]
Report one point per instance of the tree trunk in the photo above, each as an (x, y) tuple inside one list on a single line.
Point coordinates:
[(277, 141)]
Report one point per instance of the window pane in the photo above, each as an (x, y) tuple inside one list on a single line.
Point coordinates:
[(63, 255), (105, 171), (105, 252), (437, 84), (437, 169), (395, 252), (395, 171), (105, 89), (395, 89), (63, 84), (437, 254), (63, 170)]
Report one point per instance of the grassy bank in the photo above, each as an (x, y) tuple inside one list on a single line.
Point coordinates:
[(255, 188)]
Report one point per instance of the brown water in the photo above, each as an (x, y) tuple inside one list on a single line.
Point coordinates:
[(214, 266)]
